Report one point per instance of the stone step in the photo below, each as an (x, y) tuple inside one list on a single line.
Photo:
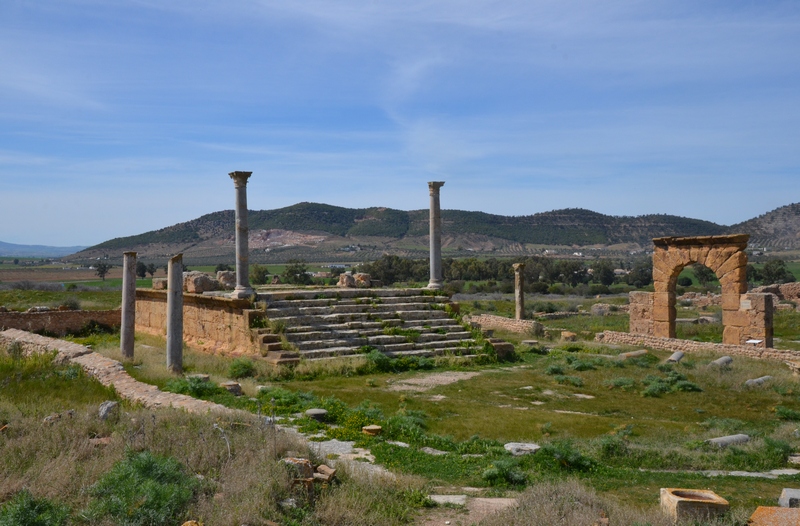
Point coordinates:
[(339, 293), (327, 302), (412, 315), (375, 309), (350, 325)]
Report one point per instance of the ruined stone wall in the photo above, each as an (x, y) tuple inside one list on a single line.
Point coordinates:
[(492, 322), (641, 313), (214, 324), (58, 322), (689, 346)]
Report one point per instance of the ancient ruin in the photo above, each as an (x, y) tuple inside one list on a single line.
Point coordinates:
[(436, 236), (175, 314), (747, 318), (126, 333), (519, 293), (243, 289)]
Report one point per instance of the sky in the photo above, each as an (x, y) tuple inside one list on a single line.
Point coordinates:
[(120, 117)]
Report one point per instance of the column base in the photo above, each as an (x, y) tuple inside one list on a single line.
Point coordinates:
[(434, 285), (241, 293)]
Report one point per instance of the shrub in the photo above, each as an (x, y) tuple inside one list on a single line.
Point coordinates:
[(620, 383), (597, 288), (70, 304), (685, 281), (241, 368), (784, 413), (259, 275), (503, 471), (572, 380), (193, 386), (554, 369), (582, 365), (25, 510), (143, 489), (562, 455), (612, 447)]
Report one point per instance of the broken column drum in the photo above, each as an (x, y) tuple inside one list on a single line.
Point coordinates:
[(435, 236), (128, 314), (243, 289), (519, 293), (175, 314)]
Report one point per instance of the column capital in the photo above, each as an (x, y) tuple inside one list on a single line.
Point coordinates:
[(240, 178), (133, 254), (433, 186), (518, 267)]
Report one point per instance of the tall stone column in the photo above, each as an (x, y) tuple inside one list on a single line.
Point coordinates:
[(243, 289), (128, 305), (175, 314), (519, 293), (436, 236)]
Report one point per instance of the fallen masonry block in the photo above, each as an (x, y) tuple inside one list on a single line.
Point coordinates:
[(324, 473), (502, 348), (305, 470), (691, 504), (676, 357), (632, 354), (790, 498), (568, 336), (233, 388), (200, 376), (519, 449), (773, 516), (276, 358), (453, 500), (725, 361), (317, 414), (755, 382), (729, 440), (372, 430)]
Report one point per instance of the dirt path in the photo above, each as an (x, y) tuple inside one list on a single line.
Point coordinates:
[(429, 381)]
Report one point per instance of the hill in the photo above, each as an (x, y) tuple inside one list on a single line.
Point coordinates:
[(320, 232), (36, 251), (779, 228)]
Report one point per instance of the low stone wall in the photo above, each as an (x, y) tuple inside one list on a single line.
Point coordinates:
[(689, 346), (214, 324), (58, 322), (492, 322)]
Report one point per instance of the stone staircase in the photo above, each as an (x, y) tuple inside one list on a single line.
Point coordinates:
[(325, 324)]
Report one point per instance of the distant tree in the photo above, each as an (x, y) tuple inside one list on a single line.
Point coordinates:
[(296, 273), (101, 269), (603, 273), (222, 267), (703, 274), (753, 274), (259, 274), (685, 281), (152, 269), (141, 269), (775, 271), (16, 261), (641, 273)]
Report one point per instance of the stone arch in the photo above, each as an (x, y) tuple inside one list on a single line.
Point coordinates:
[(726, 257)]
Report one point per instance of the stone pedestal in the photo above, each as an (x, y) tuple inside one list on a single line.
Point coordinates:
[(519, 293), (126, 332), (692, 504), (242, 289), (435, 236), (175, 314)]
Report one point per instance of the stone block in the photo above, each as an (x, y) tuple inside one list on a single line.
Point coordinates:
[(734, 261), (691, 504), (519, 449), (362, 280), (346, 280), (372, 430), (730, 300), (663, 313), (732, 335), (317, 414), (232, 387), (226, 279), (568, 336), (790, 498), (773, 516)]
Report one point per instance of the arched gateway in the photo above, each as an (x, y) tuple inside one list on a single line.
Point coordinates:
[(746, 317)]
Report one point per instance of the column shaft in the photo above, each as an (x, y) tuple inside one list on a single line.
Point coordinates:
[(435, 236), (519, 293), (243, 288), (126, 333), (175, 314)]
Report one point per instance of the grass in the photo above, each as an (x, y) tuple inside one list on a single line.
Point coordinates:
[(22, 300)]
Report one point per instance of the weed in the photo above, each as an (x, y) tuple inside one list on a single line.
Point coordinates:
[(241, 368), (562, 455), (194, 386), (143, 489), (26, 510), (784, 413), (554, 369), (504, 471), (571, 380), (620, 382)]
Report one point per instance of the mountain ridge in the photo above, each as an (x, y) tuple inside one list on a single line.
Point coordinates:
[(386, 230)]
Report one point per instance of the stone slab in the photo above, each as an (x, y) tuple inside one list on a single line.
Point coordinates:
[(773, 516), (455, 500), (790, 498)]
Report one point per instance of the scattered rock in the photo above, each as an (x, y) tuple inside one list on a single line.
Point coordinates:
[(324, 473), (729, 440), (302, 466), (195, 282), (722, 362), (160, 284), (372, 430), (567, 336), (583, 396), (107, 409), (431, 451), (347, 280), (455, 500), (226, 279), (317, 414), (519, 449), (362, 280), (755, 382), (233, 388), (790, 498), (397, 443)]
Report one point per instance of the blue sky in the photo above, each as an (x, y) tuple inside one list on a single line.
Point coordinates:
[(118, 117)]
